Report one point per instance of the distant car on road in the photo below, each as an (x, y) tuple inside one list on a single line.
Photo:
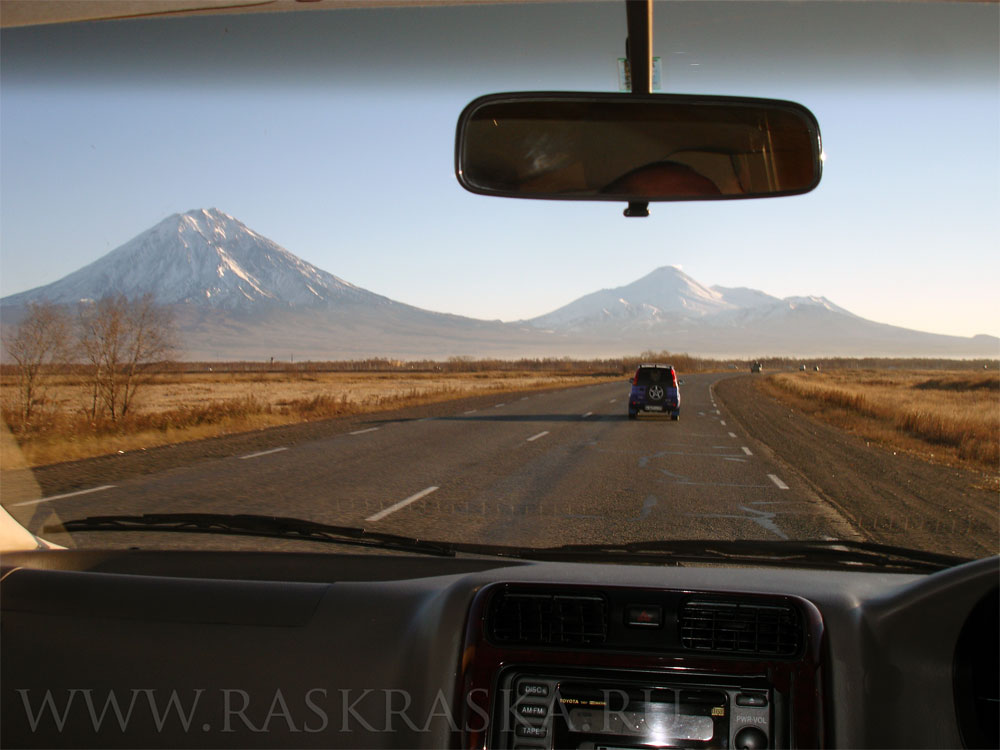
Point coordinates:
[(756, 367), (655, 390), (816, 368), (802, 368)]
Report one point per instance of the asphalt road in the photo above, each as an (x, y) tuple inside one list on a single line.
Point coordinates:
[(554, 467)]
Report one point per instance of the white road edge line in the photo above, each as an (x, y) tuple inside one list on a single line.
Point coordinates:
[(362, 432), (732, 434), (60, 497), (401, 504), (262, 453), (781, 485), (747, 451), (588, 414), (540, 434)]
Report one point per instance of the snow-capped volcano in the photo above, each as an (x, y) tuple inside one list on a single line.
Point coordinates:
[(238, 295), (667, 309), (208, 258), (668, 297), (666, 293)]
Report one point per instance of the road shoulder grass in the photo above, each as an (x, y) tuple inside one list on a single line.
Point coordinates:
[(947, 418)]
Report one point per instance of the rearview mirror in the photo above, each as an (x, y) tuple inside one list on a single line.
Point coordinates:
[(628, 147)]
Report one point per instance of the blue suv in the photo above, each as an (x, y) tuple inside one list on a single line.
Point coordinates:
[(655, 390)]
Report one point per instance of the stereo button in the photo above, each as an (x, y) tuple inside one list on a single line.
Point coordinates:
[(750, 738), (532, 709), (536, 732), (538, 689)]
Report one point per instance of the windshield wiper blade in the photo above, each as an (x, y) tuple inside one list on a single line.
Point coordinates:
[(810, 553), (803, 554), (250, 524)]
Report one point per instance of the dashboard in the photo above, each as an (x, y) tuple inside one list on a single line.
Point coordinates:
[(250, 649)]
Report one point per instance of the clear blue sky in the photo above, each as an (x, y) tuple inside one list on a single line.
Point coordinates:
[(333, 134)]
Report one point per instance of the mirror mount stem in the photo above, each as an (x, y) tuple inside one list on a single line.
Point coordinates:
[(639, 53), (639, 44)]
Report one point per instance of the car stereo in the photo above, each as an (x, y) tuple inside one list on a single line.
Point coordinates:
[(614, 712)]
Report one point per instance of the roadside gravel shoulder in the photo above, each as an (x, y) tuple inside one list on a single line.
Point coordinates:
[(890, 498)]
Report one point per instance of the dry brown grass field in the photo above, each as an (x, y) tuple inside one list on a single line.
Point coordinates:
[(176, 407), (950, 417)]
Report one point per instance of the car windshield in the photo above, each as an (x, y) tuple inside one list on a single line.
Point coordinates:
[(239, 276)]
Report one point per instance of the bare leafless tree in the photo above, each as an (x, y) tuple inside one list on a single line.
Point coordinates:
[(40, 341), (121, 339)]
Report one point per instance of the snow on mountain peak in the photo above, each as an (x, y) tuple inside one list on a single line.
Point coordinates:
[(814, 301), (664, 292), (744, 297), (205, 257)]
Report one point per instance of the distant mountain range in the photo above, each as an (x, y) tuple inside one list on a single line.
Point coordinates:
[(669, 306), (666, 297), (239, 295)]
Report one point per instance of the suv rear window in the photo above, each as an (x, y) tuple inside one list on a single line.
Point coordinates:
[(647, 376)]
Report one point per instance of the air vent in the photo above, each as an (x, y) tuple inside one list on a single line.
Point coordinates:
[(740, 627), (548, 619)]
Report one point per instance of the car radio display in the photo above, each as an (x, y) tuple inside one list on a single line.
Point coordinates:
[(588, 716), (550, 711)]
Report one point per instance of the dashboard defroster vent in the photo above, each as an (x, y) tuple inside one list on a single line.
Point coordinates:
[(548, 619), (740, 627)]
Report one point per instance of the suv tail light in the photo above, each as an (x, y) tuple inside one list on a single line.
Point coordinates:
[(673, 376)]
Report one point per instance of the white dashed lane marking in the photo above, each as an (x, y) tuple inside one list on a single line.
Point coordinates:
[(401, 504), (540, 434), (781, 485), (588, 414), (362, 432), (747, 451), (262, 453), (60, 497), (732, 434)]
